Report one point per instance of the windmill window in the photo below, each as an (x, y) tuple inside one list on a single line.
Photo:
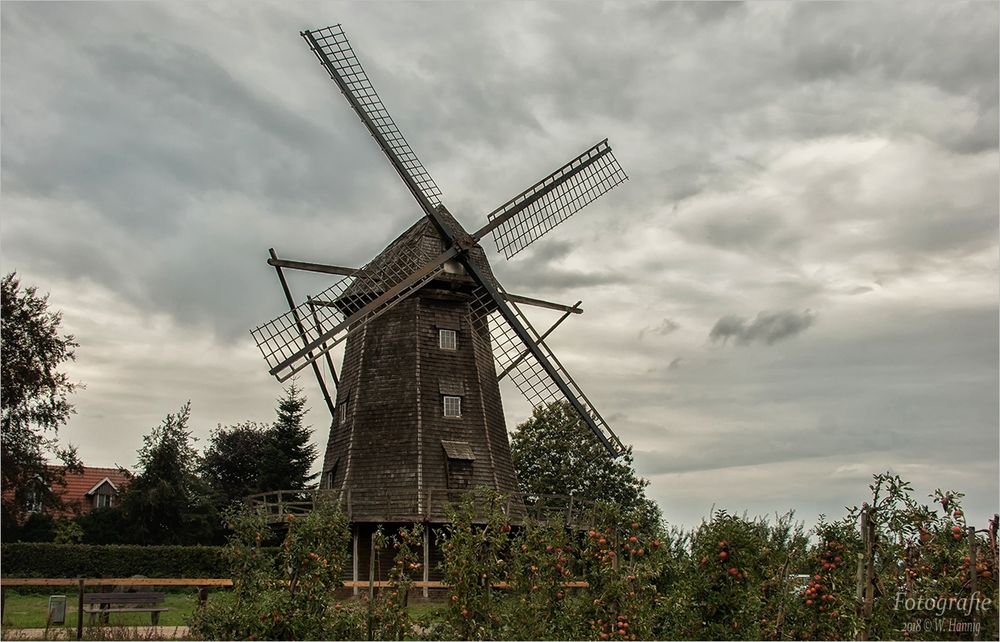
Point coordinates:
[(452, 406), (459, 458), (448, 339), (326, 481), (342, 412)]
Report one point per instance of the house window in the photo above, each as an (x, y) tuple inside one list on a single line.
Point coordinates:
[(452, 406), (104, 501), (34, 503), (448, 339)]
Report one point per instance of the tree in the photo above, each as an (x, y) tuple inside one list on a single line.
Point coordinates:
[(289, 453), (34, 395), (166, 502), (555, 453), (233, 459)]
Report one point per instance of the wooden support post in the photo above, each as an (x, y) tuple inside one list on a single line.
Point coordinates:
[(354, 560), (371, 590), (3, 602), (973, 577), (866, 573), (326, 353), (427, 558), (79, 609), (302, 333)]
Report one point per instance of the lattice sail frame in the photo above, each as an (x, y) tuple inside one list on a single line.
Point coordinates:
[(529, 377), (333, 48), (345, 307), (557, 197)]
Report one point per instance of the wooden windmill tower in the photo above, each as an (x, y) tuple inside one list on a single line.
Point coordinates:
[(429, 333)]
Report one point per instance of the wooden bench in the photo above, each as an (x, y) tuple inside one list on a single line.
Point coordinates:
[(122, 602)]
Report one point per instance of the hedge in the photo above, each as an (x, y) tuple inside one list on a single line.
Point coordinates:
[(24, 559)]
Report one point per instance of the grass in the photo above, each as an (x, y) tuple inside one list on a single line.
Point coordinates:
[(29, 611)]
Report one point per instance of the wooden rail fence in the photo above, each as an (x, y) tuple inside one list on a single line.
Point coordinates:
[(203, 584)]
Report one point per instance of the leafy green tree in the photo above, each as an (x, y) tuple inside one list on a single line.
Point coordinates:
[(555, 453), (289, 453), (167, 502), (104, 526), (232, 462), (291, 597), (34, 394)]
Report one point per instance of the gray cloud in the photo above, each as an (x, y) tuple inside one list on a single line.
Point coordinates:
[(767, 327), (663, 329)]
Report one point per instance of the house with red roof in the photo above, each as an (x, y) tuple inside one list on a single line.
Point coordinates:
[(91, 488), (84, 490)]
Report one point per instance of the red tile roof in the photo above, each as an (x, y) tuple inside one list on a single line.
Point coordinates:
[(79, 484)]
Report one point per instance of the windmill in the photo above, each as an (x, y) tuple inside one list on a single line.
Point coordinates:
[(428, 332)]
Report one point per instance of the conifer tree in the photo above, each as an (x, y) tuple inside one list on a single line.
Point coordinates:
[(289, 453)]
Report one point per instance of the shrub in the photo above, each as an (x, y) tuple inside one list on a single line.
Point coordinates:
[(21, 559), (290, 596)]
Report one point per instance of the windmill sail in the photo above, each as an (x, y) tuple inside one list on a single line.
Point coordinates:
[(534, 212), (297, 338), (525, 365), (337, 56)]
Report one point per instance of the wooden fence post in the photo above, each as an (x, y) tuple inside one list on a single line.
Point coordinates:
[(79, 609), (202, 597)]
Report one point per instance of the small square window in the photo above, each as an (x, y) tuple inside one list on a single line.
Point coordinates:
[(452, 406), (34, 503), (448, 339)]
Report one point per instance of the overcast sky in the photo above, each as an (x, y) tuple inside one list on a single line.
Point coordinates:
[(796, 289)]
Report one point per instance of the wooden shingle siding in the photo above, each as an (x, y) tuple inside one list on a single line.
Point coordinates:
[(394, 378)]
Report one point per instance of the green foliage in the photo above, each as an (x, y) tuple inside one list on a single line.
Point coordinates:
[(291, 597), (289, 453), (167, 502), (38, 527), (105, 526), (731, 578), (542, 557), (473, 544), (390, 619), (232, 462), (555, 453), (735, 583), (621, 560), (67, 531), (33, 399), (81, 560), (921, 552)]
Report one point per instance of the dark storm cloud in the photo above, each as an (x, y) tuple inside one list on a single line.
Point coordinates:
[(767, 327), (664, 328)]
